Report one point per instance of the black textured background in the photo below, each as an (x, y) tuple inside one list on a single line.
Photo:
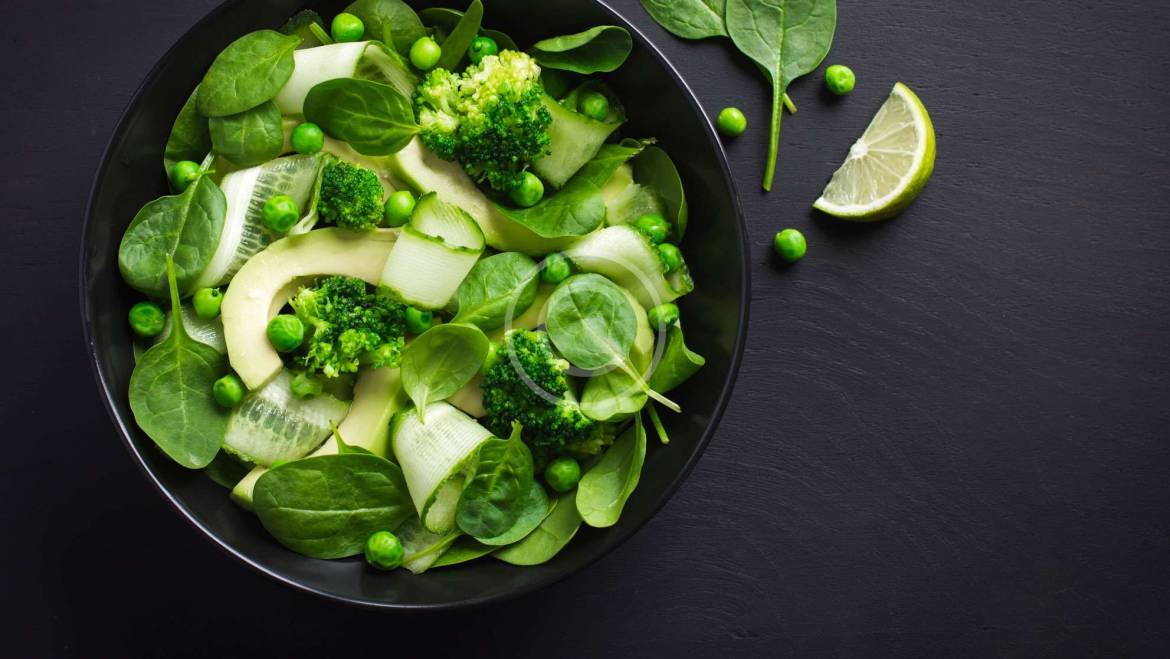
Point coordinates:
[(950, 433)]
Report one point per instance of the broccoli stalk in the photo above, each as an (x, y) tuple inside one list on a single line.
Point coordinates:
[(350, 326), (351, 196)]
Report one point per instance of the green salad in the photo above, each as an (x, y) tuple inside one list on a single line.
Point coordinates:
[(414, 294)]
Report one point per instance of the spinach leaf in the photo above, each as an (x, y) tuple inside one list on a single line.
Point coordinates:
[(170, 392), (597, 50), (549, 538), (653, 167), (440, 361), (189, 139), (533, 507), (421, 548), (343, 448), (677, 364), (604, 489), (372, 117), (591, 322), (444, 20), (251, 70), (226, 469), (327, 506), (689, 19), (455, 46), (394, 18), (612, 396), (578, 208), (464, 549), (498, 287), (184, 227), (249, 138), (497, 488), (787, 38)]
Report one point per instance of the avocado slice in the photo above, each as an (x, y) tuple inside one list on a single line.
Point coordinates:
[(574, 140)]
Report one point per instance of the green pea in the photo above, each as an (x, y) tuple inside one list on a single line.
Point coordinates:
[(206, 302), (418, 321), (840, 79), (307, 138), (347, 27), (529, 192), (654, 226), (305, 386), (663, 315), (228, 391), (557, 268), (384, 550), (425, 54), (731, 122), (147, 319), (280, 213), (399, 208), (790, 245), (562, 474), (481, 47), (286, 333), (594, 105), (671, 257), (184, 174)]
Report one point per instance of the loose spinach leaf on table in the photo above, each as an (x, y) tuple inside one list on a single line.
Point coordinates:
[(372, 117), (249, 138), (170, 392), (497, 488), (498, 287), (327, 506), (251, 70), (190, 138), (455, 46), (787, 38), (444, 20), (184, 227), (604, 489), (532, 508), (597, 50), (689, 19), (392, 17), (549, 538), (653, 167), (677, 364), (440, 361)]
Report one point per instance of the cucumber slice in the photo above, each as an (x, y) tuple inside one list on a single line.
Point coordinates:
[(434, 253), (272, 424), (434, 456), (421, 548), (630, 260), (573, 141), (631, 203), (369, 60)]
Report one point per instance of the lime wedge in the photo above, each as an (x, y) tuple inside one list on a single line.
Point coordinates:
[(887, 167)]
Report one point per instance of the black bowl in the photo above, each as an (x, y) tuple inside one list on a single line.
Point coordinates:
[(659, 103)]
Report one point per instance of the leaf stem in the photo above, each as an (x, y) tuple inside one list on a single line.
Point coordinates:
[(319, 32), (789, 104), (666, 402), (774, 136), (657, 423), (178, 331)]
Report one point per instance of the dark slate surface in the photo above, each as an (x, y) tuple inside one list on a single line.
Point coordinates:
[(949, 436)]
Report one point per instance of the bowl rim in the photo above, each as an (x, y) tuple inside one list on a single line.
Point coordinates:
[(121, 424)]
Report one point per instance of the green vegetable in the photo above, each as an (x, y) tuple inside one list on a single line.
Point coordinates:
[(286, 333), (689, 19), (423, 548), (790, 245), (250, 71), (498, 288), (528, 192), (598, 50), (351, 196), (663, 315), (347, 27), (549, 538), (384, 550), (392, 20), (189, 138), (351, 326), (556, 269), (653, 226), (562, 474), (206, 302), (372, 117), (656, 421), (614, 396), (731, 122), (787, 38), (604, 489), (305, 386), (840, 79), (184, 227), (226, 470), (147, 319), (594, 105), (371, 61), (677, 363), (399, 207), (171, 392), (481, 47), (207, 332), (184, 173), (249, 138), (464, 549), (499, 480), (280, 213), (307, 138), (328, 506), (307, 25), (573, 140), (418, 320), (654, 168), (531, 509), (671, 257), (444, 20), (440, 362), (628, 258), (228, 391), (459, 40), (425, 54), (614, 112), (433, 254)]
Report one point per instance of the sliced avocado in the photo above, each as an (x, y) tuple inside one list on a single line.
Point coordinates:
[(573, 141), (267, 280)]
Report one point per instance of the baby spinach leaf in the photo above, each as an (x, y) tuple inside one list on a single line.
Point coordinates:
[(549, 538), (184, 227), (597, 50), (372, 117), (591, 322), (308, 25), (170, 392), (464, 549), (612, 396), (689, 19), (604, 489), (190, 138), (677, 364), (327, 506), (440, 361), (393, 17), (653, 167), (421, 548), (455, 46), (249, 138), (787, 38), (444, 20), (497, 286), (251, 70), (497, 488), (226, 469), (532, 508)]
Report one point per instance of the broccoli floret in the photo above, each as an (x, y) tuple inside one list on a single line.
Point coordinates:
[(529, 384), (350, 326), (351, 196), (489, 118)]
